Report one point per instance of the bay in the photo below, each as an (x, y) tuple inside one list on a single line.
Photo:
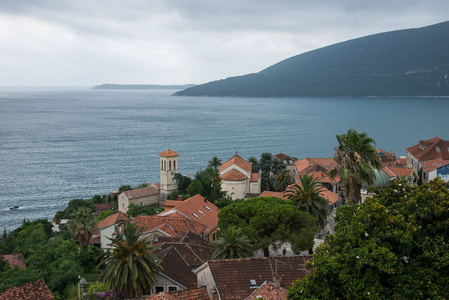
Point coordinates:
[(60, 144)]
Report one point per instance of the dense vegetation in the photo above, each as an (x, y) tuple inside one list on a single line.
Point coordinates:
[(410, 62), (392, 246)]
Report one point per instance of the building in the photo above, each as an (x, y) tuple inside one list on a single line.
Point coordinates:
[(14, 260), (191, 294), (238, 278), (435, 168), (105, 230), (154, 194), (427, 150), (238, 180), (319, 168), (36, 290), (386, 158), (196, 208), (288, 162)]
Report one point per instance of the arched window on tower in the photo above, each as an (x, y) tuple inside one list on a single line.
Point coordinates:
[(165, 165), (174, 165), (162, 165), (169, 165)]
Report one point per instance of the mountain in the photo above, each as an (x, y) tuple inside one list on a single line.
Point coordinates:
[(411, 62), (108, 86)]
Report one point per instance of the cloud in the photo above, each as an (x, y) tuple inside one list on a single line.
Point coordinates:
[(167, 42)]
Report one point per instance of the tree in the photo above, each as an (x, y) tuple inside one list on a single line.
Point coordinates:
[(307, 197), (270, 167), (81, 225), (282, 180), (392, 246), (355, 157), (269, 220), (254, 163), (208, 185), (214, 163), (183, 183), (131, 266), (232, 243)]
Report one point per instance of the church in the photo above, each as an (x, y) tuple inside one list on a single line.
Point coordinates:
[(155, 193)]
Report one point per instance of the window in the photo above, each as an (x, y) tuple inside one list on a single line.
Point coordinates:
[(207, 207), (169, 165), (162, 165), (172, 288), (213, 236), (159, 288), (438, 148), (201, 212), (165, 165), (174, 165), (196, 216)]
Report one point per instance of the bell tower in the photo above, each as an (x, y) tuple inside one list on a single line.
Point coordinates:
[(169, 167)]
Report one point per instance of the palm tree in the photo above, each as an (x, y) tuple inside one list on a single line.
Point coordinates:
[(232, 243), (356, 157), (214, 163), (254, 163), (131, 266), (282, 180), (81, 225), (308, 198)]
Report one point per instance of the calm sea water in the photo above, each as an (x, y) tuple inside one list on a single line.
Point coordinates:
[(61, 144)]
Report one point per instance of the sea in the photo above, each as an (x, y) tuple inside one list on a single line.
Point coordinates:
[(58, 144)]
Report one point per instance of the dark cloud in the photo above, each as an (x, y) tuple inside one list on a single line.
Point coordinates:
[(90, 42)]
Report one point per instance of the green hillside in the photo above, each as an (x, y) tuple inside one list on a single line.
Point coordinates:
[(412, 62)]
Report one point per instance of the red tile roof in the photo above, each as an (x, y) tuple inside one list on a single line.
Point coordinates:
[(190, 294), (104, 206), (272, 194), (233, 276), (327, 194), (237, 160), (430, 149), (168, 153), (268, 290), (254, 177), (233, 175), (434, 164), (143, 192), (285, 159), (327, 163), (36, 290), (170, 225), (398, 171), (197, 209), (108, 221), (15, 260)]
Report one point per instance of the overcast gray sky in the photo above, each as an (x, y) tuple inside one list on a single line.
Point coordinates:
[(89, 42)]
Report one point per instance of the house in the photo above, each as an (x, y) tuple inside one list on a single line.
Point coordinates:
[(238, 278), (288, 162), (14, 260), (386, 158), (238, 180), (105, 229), (168, 226), (179, 257), (268, 290), (435, 168), (154, 193), (196, 208), (100, 207), (426, 150), (36, 290), (191, 294), (395, 172), (141, 197), (319, 168)]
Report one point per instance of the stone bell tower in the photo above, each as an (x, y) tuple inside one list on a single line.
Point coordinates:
[(169, 167)]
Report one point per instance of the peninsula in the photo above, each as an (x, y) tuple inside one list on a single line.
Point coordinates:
[(108, 86)]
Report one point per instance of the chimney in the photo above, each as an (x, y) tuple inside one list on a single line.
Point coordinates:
[(180, 198), (277, 280), (205, 199)]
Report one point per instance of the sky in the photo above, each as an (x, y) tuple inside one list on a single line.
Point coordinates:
[(91, 42)]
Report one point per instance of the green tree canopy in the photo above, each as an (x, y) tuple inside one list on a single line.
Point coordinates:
[(307, 197), (395, 245), (356, 157), (282, 180), (232, 243), (81, 225), (207, 185), (131, 266), (268, 220), (215, 163)]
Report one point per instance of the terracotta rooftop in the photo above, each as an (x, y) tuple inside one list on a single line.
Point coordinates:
[(104, 206), (143, 192), (15, 260), (169, 225), (168, 153), (285, 159), (268, 290), (233, 175), (108, 221), (191, 294), (36, 290), (237, 160), (434, 164), (272, 194), (430, 149), (254, 177), (326, 163), (233, 276), (398, 171), (198, 209)]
